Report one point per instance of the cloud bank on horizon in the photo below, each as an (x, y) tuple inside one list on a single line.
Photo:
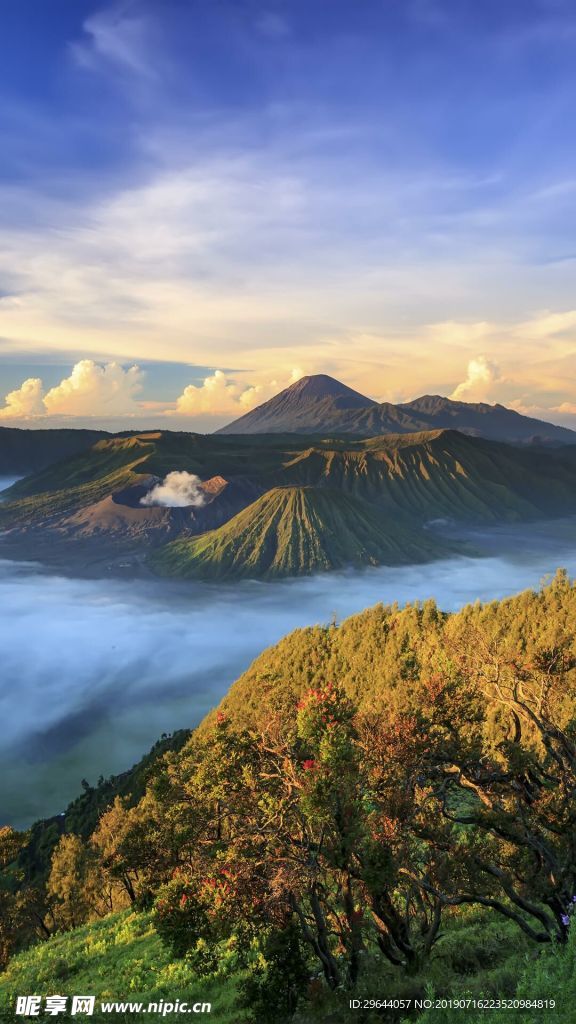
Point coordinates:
[(383, 192)]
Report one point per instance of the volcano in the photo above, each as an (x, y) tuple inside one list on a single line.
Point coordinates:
[(311, 405), (321, 405)]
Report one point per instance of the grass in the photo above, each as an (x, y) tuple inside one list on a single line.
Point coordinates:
[(122, 958), (328, 503), (118, 958), (292, 531), (548, 973)]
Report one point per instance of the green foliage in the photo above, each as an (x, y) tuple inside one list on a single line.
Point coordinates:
[(278, 981), (181, 916), (375, 814), (546, 975), (120, 957), (294, 531), (82, 815)]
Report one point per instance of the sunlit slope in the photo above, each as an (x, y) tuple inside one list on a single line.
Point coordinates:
[(119, 462), (77, 481), (379, 653), (444, 474), (295, 531)]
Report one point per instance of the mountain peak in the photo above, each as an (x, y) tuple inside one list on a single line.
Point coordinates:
[(321, 385), (302, 407), (321, 405)]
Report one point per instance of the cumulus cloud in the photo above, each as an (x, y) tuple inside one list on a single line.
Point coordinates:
[(90, 390), (221, 394), (93, 389), (24, 403), (179, 489), (482, 374)]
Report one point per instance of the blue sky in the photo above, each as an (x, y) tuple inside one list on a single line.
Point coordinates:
[(226, 195)]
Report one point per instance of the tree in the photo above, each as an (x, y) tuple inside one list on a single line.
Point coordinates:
[(23, 908), (70, 886), (510, 798)]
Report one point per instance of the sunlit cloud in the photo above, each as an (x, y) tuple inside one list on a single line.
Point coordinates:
[(214, 220), (90, 390), (25, 402), (220, 394), (482, 373)]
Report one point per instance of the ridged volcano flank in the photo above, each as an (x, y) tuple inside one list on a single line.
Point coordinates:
[(294, 531), (305, 406)]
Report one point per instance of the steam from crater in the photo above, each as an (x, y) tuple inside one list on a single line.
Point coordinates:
[(179, 489)]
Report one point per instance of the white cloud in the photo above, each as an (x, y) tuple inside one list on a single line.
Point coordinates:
[(482, 374), (115, 38), (90, 390), (547, 324), (218, 394), (221, 394), (94, 390), (179, 489), (25, 402)]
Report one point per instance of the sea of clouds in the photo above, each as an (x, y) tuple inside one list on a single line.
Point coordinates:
[(93, 671)]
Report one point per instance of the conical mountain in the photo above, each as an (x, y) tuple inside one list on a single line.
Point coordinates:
[(323, 405), (309, 405), (294, 531)]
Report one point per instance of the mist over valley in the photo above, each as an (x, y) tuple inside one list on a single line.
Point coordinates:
[(93, 671)]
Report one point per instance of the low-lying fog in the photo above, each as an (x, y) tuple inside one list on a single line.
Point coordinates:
[(94, 671)]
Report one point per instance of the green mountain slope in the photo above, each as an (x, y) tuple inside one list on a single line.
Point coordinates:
[(293, 531), (444, 473), (93, 498), (379, 653), (426, 474)]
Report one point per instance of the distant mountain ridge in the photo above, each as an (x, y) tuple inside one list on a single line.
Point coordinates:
[(319, 404), (28, 451)]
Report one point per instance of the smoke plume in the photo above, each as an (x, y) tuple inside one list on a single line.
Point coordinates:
[(179, 489)]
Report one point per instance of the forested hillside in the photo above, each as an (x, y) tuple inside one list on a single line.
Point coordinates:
[(375, 806)]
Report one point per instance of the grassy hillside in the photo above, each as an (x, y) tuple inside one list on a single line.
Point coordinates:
[(293, 531), (444, 474), (120, 957), (76, 482), (426, 474)]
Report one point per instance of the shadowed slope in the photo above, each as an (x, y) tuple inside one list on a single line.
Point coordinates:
[(311, 404), (322, 405)]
